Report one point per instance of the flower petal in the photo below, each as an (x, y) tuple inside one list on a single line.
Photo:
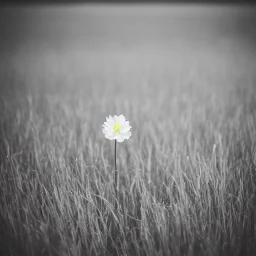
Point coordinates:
[(121, 119), (127, 135), (120, 139), (125, 129)]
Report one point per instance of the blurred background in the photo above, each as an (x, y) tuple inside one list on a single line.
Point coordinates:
[(125, 52), (79, 38), (124, 24)]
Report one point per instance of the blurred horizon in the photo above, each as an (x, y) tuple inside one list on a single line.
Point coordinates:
[(120, 2), (126, 23)]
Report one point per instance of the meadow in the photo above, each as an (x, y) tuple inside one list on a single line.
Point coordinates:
[(187, 175)]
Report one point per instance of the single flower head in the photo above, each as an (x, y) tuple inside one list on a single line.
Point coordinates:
[(117, 128)]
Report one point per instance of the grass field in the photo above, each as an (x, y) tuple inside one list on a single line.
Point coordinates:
[(187, 176)]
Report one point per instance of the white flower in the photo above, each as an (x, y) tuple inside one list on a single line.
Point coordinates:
[(117, 128)]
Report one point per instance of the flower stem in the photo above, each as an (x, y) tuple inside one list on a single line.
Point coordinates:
[(116, 173)]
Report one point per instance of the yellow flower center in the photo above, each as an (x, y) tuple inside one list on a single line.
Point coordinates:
[(117, 127)]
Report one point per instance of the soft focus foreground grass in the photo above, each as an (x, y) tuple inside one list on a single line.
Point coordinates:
[(187, 175)]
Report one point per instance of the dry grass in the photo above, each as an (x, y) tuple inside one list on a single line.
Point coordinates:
[(187, 175)]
